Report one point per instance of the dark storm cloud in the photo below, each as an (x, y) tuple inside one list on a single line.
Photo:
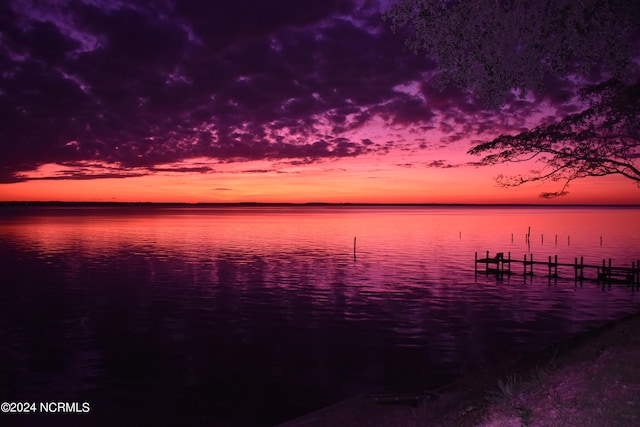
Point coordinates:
[(145, 84)]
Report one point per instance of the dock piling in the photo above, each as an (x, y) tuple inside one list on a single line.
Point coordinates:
[(354, 248)]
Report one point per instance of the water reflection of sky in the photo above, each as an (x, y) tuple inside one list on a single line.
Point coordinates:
[(123, 304)]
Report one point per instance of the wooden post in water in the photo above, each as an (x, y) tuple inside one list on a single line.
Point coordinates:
[(475, 265), (530, 273), (568, 240), (542, 239), (600, 241), (486, 266), (556, 240), (354, 248)]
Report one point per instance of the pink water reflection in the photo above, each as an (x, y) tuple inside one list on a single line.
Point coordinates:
[(195, 299)]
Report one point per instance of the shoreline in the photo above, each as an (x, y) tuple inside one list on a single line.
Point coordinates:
[(592, 378)]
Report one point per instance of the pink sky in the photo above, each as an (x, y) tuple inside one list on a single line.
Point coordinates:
[(225, 102), (391, 178)]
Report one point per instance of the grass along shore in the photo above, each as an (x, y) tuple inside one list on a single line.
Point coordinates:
[(591, 380)]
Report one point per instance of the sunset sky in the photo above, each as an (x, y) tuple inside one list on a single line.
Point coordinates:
[(251, 101)]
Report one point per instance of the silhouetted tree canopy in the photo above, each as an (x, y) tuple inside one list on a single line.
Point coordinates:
[(491, 47), (604, 139)]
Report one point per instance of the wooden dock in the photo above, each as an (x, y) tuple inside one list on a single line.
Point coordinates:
[(605, 273)]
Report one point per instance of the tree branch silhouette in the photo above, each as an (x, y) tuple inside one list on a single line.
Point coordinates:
[(604, 139)]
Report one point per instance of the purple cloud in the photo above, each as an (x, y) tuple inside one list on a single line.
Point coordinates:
[(143, 85)]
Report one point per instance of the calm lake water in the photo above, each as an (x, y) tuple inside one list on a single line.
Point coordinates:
[(241, 316)]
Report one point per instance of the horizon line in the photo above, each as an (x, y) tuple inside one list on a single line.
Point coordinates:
[(204, 204)]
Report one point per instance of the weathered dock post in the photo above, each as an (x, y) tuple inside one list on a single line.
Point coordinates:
[(556, 240), (475, 266), (354, 248), (600, 241), (568, 240), (530, 263), (578, 268), (486, 266), (553, 266)]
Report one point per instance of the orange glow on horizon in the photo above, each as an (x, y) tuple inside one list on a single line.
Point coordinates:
[(365, 179)]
